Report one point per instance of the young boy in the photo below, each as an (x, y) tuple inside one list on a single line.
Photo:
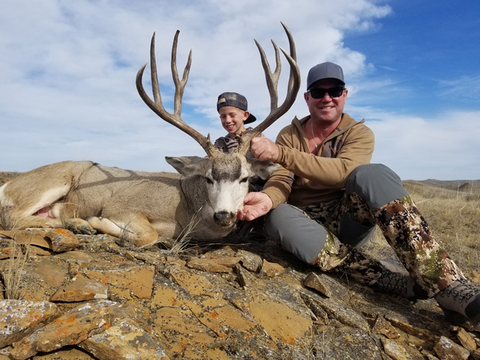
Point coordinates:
[(234, 114)]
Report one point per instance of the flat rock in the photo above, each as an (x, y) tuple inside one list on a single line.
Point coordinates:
[(314, 281), (28, 237), (81, 289), (63, 240), (71, 328), (446, 349), (19, 318)]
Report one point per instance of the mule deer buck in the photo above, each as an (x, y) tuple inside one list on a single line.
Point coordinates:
[(87, 197)]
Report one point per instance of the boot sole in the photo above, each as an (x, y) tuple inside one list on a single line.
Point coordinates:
[(458, 319)]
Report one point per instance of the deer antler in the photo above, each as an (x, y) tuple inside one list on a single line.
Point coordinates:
[(157, 106), (272, 82)]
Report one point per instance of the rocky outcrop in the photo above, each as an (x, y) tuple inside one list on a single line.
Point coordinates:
[(95, 297)]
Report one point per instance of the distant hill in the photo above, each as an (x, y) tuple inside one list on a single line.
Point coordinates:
[(7, 176), (467, 186)]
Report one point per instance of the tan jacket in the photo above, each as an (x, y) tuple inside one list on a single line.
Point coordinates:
[(308, 179)]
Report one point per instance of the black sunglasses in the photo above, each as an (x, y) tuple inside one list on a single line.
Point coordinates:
[(334, 92)]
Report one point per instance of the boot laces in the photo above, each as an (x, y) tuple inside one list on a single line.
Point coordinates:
[(464, 291)]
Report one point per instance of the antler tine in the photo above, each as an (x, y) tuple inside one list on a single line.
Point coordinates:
[(272, 83), (271, 78), (293, 54), (156, 105), (179, 84)]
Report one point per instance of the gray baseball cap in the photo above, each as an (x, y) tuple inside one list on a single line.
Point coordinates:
[(237, 100), (326, 70)]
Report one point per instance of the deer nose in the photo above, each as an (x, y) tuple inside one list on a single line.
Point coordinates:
[(224, 218)]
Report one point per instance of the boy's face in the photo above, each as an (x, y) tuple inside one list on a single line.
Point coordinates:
[(232, 119)]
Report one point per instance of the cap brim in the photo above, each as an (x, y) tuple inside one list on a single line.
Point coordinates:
[(329, 78), (250, 119)]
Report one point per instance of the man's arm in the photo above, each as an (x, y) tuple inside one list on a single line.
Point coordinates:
[(333, 172)]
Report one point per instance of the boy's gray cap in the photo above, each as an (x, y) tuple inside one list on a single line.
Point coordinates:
[(237, 100), (326, 70)]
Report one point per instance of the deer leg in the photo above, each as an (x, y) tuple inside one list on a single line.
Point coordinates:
[(105, 226), (35, 222), (76, 225), (136, 229)]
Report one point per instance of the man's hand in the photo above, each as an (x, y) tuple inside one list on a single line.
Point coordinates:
[(256, 204), (264, 149)]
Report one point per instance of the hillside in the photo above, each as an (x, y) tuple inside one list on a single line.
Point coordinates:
[(88, 297)]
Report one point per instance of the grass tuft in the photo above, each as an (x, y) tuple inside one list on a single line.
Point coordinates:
[(13, 272), (178, 245), (182, 241)]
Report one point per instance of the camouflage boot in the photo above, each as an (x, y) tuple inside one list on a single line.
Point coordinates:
[(460, 301), (383, 274)]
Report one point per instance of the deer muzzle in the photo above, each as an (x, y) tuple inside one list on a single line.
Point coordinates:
[(225, 218)]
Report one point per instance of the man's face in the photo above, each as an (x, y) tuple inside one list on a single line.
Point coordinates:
[(326, 109), (232, 119)]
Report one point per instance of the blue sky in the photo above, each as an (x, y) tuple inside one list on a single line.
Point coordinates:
[(429, 50), (68, 68)]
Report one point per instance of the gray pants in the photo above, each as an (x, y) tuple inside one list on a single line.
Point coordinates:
[(303, 232)]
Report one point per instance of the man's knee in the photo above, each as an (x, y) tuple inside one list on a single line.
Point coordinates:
[(376, 184), (297, 233), (284, 220)]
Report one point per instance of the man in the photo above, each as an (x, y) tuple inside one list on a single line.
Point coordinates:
[(325, 200)]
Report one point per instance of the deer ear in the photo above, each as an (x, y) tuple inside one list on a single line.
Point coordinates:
[(263, 169), (186, 165)]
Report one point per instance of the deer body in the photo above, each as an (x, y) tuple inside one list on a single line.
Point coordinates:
[(140, 206), (85, 197)]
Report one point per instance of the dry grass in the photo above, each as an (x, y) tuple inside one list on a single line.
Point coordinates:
[(12, 273), (181, 242), (3, 219), (176, 246), (454, 219)]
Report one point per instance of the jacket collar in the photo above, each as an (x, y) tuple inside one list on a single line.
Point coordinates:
[(346, 123)]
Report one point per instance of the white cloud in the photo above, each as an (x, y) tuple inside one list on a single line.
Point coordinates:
[(466, 87), (415, 147)]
